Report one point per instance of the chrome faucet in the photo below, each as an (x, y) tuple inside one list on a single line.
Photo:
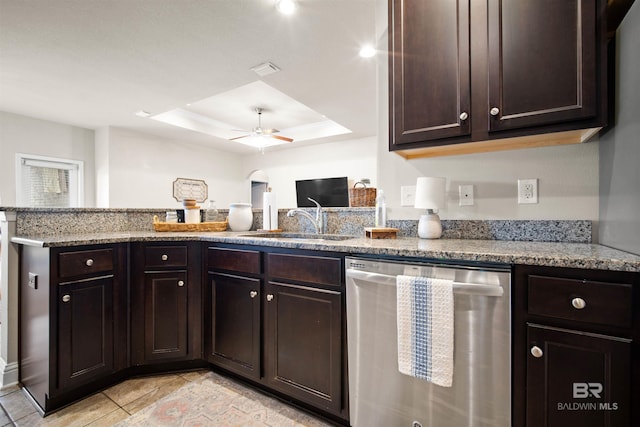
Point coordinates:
[(317, 222)]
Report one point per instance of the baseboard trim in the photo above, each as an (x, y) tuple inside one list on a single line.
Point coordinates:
[(8, 373)]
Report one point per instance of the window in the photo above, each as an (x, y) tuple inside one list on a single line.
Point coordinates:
[(48, 182)]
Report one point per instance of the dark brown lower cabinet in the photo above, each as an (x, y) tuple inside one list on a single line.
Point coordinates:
[(576, 347), (166, 303), (234, 340), (73, 321), (165, 311), (85, 331), (577, 379), (276, 317), (303, 343)]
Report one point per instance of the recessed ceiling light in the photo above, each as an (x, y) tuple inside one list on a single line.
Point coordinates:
[(286, 7), (367, 51), (142, 113)]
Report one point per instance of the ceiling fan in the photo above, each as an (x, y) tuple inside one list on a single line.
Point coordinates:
[(259, 132)]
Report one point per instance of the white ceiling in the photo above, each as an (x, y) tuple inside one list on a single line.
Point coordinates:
[(94, 63)]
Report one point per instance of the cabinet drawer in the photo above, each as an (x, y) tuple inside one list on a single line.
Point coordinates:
[(582, 300), (85, 262), (165, 256), (313, 269), (234, 259)]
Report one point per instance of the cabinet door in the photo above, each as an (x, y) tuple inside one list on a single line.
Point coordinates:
[(542, 62), (234, 337), (303, 343), (165, 315), (577, 379), (85, 332), (429, 70)]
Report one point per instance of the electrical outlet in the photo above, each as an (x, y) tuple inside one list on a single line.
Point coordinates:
[(466, 195), (528, 191), (407, 195)]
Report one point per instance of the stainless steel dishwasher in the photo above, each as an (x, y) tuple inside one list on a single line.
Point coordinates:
[(379, 395)]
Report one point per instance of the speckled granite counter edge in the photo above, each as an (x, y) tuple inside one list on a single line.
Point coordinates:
[(349, 221), (573, 255)]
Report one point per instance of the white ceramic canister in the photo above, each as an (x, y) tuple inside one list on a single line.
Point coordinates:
[(192, 214), (240, 216)]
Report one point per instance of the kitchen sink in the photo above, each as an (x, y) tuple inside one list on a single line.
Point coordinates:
[(299, 236)]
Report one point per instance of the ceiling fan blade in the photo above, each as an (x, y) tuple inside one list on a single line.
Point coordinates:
[(238, 137), (282, 138)]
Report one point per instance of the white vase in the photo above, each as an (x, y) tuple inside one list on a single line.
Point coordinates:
[(240, 216)]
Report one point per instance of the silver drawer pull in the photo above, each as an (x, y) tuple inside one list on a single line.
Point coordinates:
[(253, 294), (89, 262), (494, 111), (536, 351), (165, 257), (578, 303), (66, 298), (464, 115), (180, 283), (269, 297)]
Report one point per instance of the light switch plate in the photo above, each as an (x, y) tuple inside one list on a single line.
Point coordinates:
[(465, 192), (33, 280), (407, 195)]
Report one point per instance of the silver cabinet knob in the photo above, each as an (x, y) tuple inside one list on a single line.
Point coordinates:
[(165, 257), (253, 294), (269, 297), (464, 115), (89, 262), (536, 351), (66, 298), (494, 111), (180, 283), (578, 303)]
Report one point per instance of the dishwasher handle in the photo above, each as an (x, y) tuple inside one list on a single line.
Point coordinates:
[(458, 287)]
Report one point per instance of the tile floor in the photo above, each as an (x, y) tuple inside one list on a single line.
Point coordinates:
[(117, 404)]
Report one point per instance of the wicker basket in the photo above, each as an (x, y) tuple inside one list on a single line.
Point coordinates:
[(362, 197), (180, 226)]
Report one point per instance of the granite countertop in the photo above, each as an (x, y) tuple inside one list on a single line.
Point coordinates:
[(576, 255)]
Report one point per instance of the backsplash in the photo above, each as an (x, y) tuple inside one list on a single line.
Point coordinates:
[(347, 221)]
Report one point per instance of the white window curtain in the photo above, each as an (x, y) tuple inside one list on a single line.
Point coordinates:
[(48, 182)]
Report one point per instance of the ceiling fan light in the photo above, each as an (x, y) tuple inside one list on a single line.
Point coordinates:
[(286, 7), (260, 141)]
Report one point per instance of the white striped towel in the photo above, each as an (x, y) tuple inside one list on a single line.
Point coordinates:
[(425, 328)]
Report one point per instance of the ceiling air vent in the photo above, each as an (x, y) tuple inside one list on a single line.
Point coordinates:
[(265, 69)]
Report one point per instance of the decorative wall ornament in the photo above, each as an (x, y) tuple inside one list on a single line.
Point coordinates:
[(185, 188)]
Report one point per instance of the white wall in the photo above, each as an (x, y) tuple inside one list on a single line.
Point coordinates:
[(21, 134), (568, 175), (142, 169), (619, 148), (102, 167), (354, 159)]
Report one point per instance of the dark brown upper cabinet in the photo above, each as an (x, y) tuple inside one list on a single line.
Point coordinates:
[(429, 71), (502, 74)]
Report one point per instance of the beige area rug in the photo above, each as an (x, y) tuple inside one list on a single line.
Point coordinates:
[(218, 401)]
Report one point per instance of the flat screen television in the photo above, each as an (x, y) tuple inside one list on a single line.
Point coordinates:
[(329, 192)]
